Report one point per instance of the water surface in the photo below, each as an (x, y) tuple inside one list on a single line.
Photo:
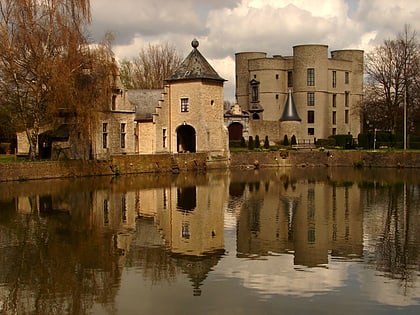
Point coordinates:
[(273, 241)]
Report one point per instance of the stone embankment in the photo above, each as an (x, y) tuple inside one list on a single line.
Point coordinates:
[(135, 164)]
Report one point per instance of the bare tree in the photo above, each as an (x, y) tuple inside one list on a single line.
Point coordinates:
[(46, 64), (392, 79), (150, 68)]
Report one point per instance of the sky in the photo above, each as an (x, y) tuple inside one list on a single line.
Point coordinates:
[(225, 27)]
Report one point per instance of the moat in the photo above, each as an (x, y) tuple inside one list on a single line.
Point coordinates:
[(269, 241)]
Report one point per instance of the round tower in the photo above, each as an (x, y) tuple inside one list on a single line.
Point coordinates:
[(242, 76), (310, 75)]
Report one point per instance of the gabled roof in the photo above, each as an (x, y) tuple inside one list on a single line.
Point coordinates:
[(145, 102), (195, 66), (290, 112)]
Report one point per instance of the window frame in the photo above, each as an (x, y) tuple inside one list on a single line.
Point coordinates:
[(310, 79), (104, 135), (122, 135), (185, 105), (310, 99), (310, 117), (289, 78)]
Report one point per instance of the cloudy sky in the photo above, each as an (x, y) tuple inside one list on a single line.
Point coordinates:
[(224, 27)]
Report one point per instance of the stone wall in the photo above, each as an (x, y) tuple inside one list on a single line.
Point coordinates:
[(316, 158), (155, 163), (116, 165)]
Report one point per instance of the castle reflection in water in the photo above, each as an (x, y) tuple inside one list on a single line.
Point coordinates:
[(170, 224)]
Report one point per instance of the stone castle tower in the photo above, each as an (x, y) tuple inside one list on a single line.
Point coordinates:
[(326, 91), (189, 117)]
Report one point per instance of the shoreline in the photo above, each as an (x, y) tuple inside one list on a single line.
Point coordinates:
[(175, 163)]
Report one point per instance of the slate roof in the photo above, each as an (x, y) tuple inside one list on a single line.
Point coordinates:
[(145, 103), (290, 112), (194, 66), (61, 133)]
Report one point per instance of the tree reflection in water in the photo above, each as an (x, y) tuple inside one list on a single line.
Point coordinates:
[(66, 244)]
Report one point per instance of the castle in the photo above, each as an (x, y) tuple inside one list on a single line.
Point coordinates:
[(307, 95)]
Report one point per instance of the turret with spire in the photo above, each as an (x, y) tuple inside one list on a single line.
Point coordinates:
[(290, 112)]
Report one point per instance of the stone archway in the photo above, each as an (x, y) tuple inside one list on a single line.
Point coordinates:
[(185, 136), (235, 131)]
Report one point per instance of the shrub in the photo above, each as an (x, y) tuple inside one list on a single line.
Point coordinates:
[(257, 142), (326, 143), (266, 143), (250, 143), (344, 141)]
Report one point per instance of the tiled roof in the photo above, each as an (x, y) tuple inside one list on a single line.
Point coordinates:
[(195, 66)]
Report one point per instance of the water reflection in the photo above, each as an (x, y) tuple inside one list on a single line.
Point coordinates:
[(310, 219), (67, 245)]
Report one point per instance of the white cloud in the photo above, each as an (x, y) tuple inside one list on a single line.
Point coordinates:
[(225, 27)]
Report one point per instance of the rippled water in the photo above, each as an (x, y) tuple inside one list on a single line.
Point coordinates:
[(274, 241)]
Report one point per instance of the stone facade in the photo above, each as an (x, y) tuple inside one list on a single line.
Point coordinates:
[(326, 91), (185, 116), (188, 117)]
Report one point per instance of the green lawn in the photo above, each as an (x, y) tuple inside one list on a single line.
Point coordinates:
[(8, 158)]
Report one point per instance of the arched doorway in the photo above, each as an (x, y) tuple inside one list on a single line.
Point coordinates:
[(185, 135), (235, 131)]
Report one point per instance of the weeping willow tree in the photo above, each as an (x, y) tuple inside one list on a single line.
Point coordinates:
[(47, 67)]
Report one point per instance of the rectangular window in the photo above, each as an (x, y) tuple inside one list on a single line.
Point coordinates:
[(346, 78), (289, 78), (185, 107), (346, 99), (277, 76), (311, 116), (106, 212), (346, 116), (311, 131), (334, 131), (334, 118), (185, 230), (104, 135), (123, 136), (123, 208), (164, 199), (310, 99), (164, 137), (114, 102), (311, 76), (334, 100), (254, 96), (334, 79)]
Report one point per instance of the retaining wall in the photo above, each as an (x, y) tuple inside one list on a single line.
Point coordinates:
[(155, 163)]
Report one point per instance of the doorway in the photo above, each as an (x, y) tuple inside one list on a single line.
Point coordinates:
[(186, 139)]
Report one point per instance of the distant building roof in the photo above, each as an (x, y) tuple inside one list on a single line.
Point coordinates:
[(195, 66), (145, 103), (61, 133), (290, 112)]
